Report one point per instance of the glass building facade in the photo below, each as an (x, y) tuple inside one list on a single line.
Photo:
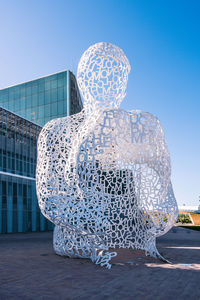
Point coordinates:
[(43, 99), (19, 210), (24, 109)]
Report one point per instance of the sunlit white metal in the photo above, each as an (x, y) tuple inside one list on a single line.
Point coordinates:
[(103, 175)]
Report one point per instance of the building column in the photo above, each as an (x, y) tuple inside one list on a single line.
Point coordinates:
[(33, 211), (42, 222), (19, 214), (9, 214), (1, 213)]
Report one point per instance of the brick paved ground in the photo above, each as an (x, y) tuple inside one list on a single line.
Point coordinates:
[(29, 269)]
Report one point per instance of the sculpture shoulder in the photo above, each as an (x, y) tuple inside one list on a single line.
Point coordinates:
[(135, 115), (143, 115), (61, 126)]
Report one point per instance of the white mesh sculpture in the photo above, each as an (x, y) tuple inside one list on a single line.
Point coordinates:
[(103, 175)]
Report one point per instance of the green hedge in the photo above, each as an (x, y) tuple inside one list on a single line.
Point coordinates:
[(184, 218)]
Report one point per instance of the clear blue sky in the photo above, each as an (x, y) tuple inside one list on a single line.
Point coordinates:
[(161, 40)]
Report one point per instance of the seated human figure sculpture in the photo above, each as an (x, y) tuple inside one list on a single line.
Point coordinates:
[(103, 175)]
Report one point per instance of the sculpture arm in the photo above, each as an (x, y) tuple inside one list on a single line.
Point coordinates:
[(54, 145), (153, 185)]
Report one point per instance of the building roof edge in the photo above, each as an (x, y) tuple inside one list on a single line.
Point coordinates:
[(13, 113), (1, 89)]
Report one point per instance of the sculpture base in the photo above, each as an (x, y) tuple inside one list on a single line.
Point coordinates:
[(75, 244)]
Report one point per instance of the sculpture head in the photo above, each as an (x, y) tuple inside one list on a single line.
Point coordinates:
[(102, 76)]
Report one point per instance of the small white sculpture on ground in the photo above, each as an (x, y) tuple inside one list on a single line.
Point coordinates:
[(103, 175)]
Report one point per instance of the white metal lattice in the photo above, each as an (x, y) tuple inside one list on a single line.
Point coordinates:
[(103, 175)]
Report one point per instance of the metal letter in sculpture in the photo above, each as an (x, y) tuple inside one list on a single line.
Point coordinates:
[(103, 175)]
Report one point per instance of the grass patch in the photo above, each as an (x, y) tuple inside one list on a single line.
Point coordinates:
[(193, 227)]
